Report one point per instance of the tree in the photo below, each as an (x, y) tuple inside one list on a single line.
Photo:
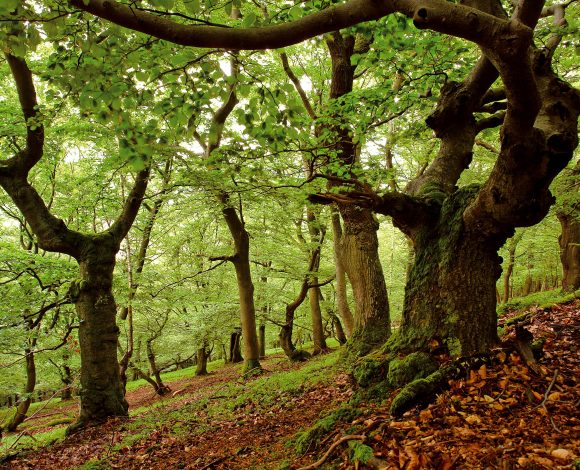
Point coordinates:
[(101, 391), (456, 229)]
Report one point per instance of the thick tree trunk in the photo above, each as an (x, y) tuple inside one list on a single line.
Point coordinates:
[(101, 392), (450, 298), (569, 241), (359, 247), (23, 406)]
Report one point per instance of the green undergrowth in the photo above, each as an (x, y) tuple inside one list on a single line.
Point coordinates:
[(544, 299), (308, 439), (25, 440), (229, 401)]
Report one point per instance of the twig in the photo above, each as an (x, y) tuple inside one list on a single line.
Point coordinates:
[(548, 390), (334, 445), (214, 462)]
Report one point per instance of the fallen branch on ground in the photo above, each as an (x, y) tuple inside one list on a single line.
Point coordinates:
[(335, 444)]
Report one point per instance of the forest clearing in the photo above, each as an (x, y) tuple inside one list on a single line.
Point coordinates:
[(501, 416)]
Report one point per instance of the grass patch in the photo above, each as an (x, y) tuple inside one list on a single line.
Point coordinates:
[(542, 299), (28, 442)]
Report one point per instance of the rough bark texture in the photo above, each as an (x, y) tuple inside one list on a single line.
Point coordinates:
[(569, 241), (102, 392), (359, 242)]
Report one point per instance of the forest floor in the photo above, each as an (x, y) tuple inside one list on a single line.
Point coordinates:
[(510, 415)]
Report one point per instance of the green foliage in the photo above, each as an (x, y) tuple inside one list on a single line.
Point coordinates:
[(360, 452), (543, 299)]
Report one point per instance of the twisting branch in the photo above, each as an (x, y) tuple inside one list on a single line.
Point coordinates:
[(298, 86)]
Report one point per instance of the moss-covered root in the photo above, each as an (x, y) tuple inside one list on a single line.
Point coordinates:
[(418, 392), (311, 437)]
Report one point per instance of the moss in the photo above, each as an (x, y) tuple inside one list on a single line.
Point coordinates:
[(453, 346), (252, 367), (360, 452), (412, 367), (304, 440), (417, 392), (370, 369)]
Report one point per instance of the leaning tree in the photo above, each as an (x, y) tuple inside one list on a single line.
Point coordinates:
[(456, 232)]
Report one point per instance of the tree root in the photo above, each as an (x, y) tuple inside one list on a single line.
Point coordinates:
[(334, 445)]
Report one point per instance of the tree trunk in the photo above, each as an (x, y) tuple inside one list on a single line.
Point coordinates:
[(340, 334), (262, 341), (510, 267), (201, 368), (569, 241), (101, 392), (161, 388), (359, 247), (235, 353), (450, 299), (241, 261), (23, 406), (316, 314), (341, 295)]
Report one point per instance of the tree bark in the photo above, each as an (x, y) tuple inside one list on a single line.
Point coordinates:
[(569, 241), (510, 267), (341, 294), (262, 340), (241, 262), (160, 387), (235, 353), (201, 367), (23, 406)]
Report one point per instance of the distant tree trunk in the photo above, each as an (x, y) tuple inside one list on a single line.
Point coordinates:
[(160, 387), (241, 262), (513, 243), (341, 295), (202, 354), (286, 330), (262, 340), (340, 334), (316, 314), (235, 353), (528, 285), (66, 378), (23, 406), (569, 241)]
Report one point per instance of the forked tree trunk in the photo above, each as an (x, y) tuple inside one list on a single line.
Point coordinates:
[(569, 241), (235, 352)]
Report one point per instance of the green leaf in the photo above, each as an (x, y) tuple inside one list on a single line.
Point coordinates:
[(192, 7), (249, 20), (295, 12)]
